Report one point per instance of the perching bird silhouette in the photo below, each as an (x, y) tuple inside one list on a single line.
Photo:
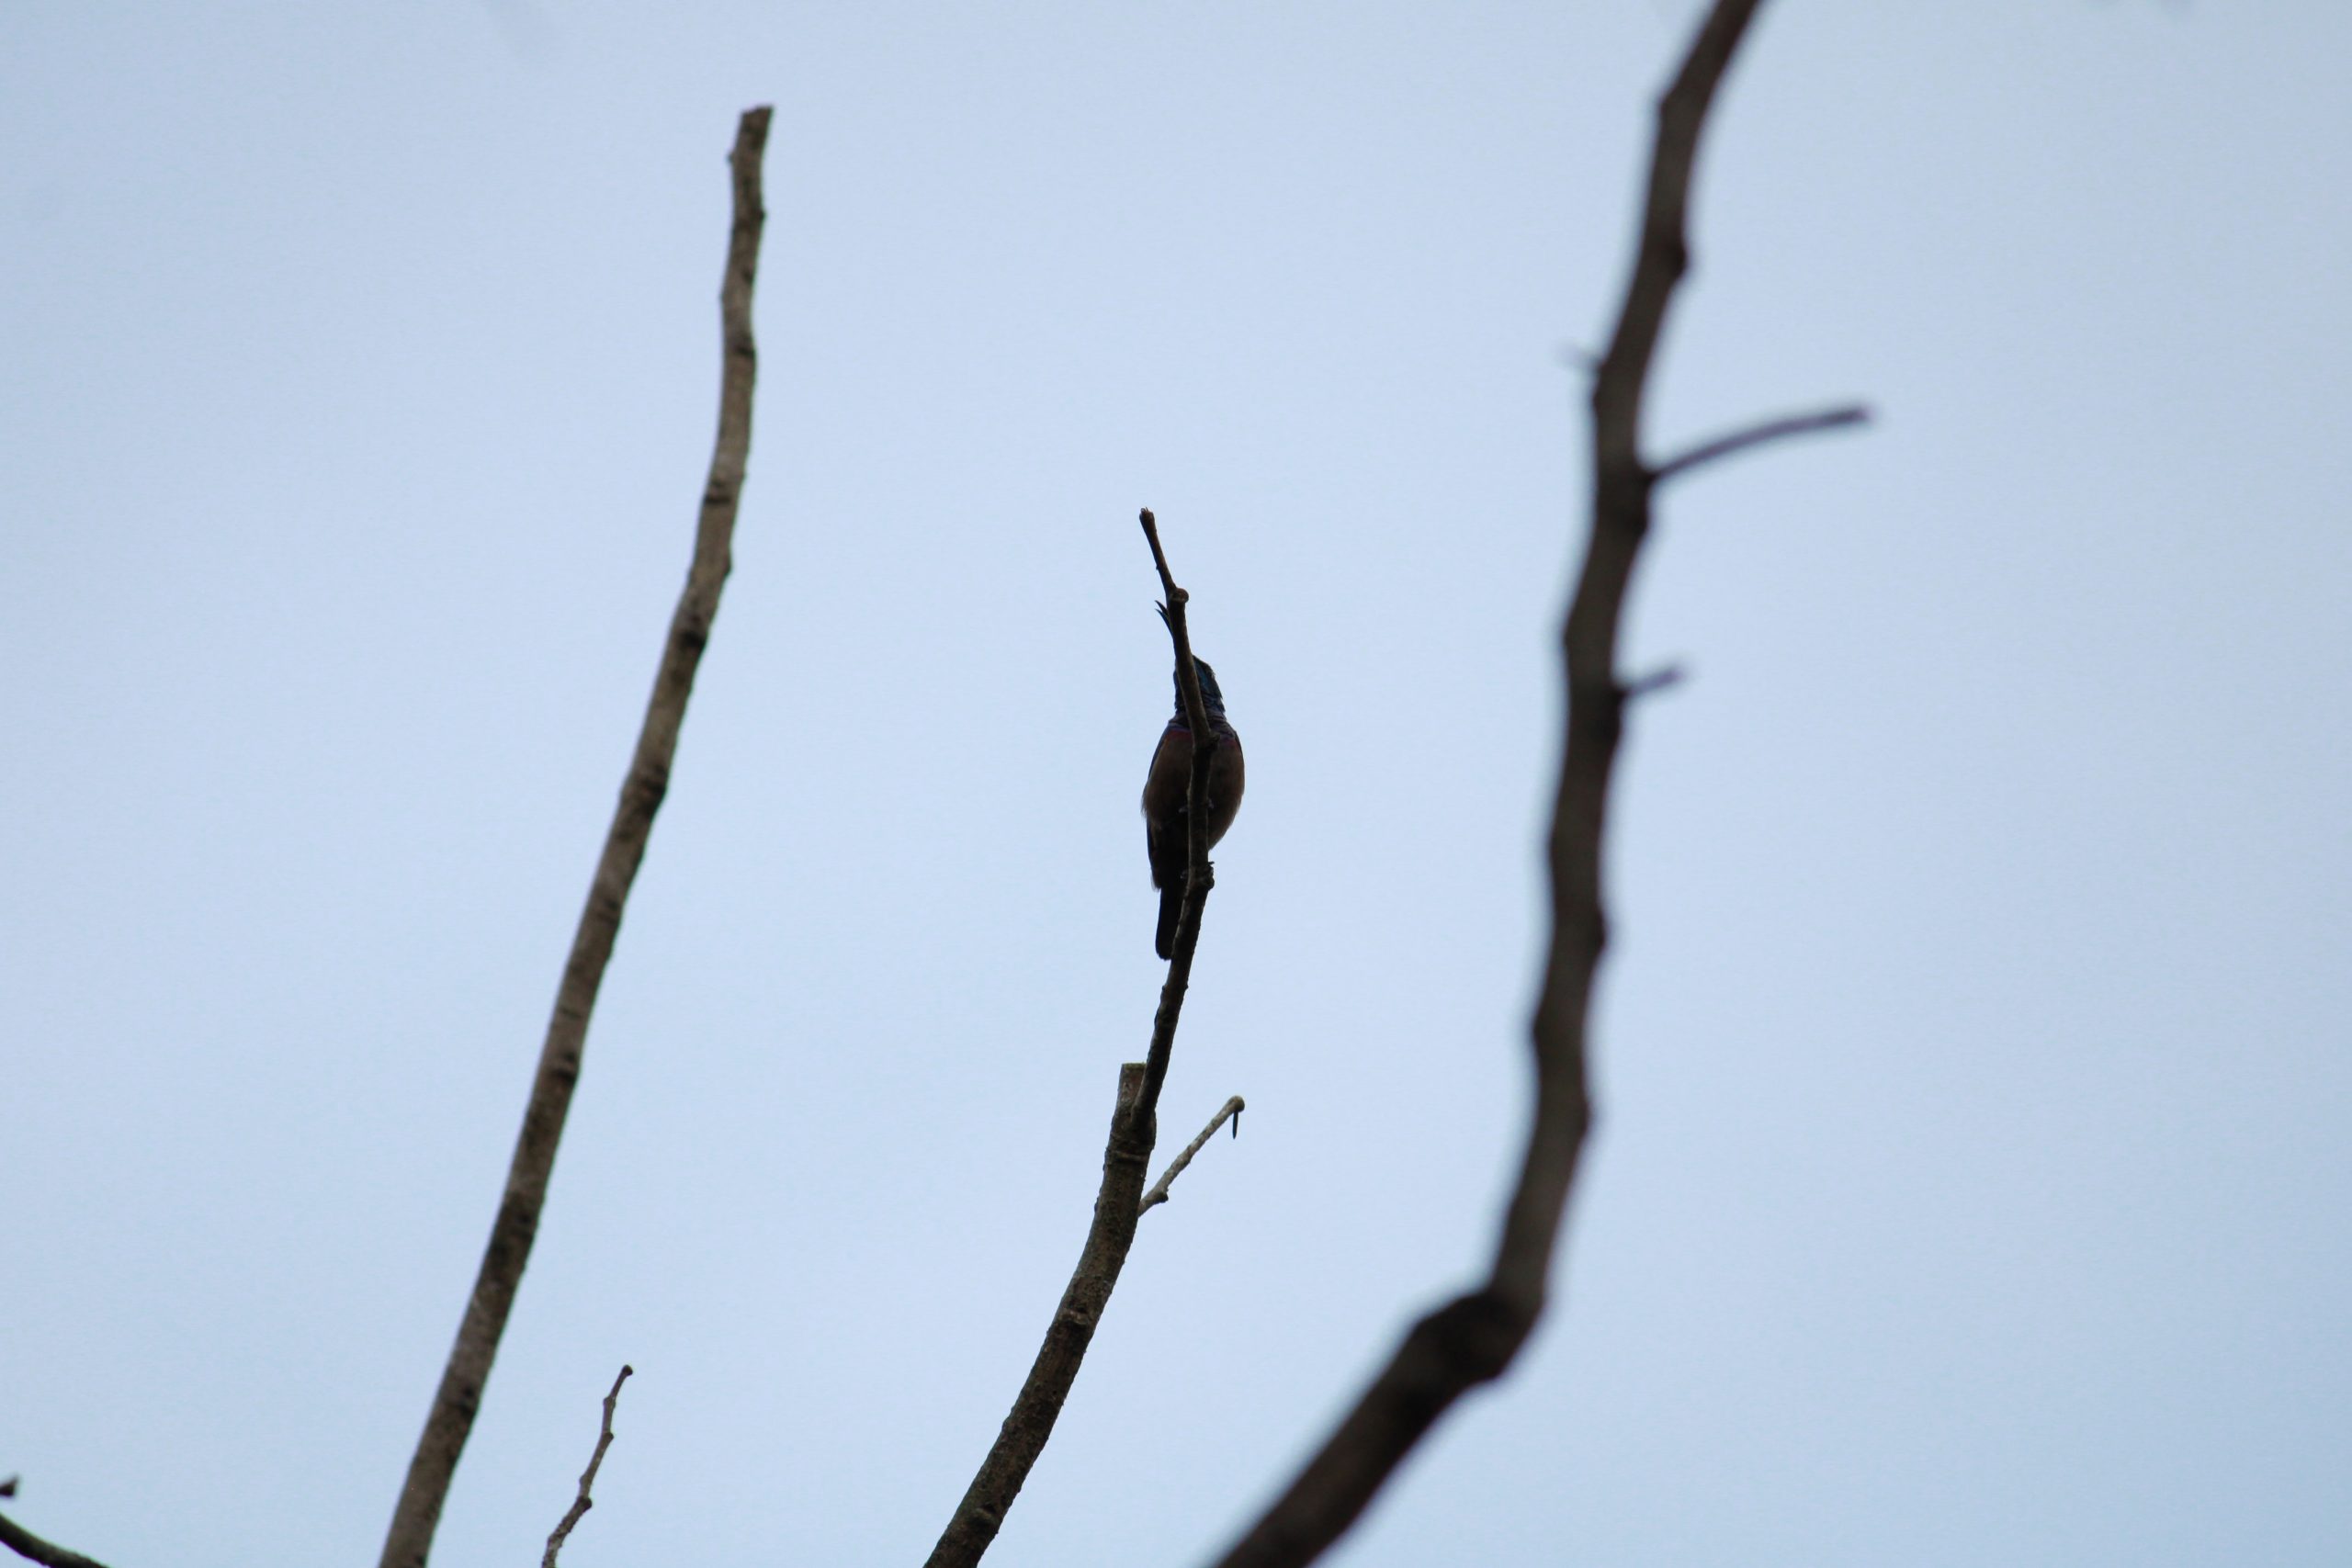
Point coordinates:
[(1164, 790)]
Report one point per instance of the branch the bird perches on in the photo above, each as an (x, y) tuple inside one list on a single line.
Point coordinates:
[(1126, 1156)]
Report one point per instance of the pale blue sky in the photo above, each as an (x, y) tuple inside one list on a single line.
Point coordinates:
[(1971, 1186)]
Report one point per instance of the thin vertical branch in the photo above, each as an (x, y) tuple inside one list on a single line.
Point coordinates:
[(1474, 1337), (1198, 876), (1118, 1202), (418, 1512)]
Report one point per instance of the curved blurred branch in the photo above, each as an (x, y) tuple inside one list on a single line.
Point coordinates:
[(24, 1543), (1473, 1338), (418, 1512)]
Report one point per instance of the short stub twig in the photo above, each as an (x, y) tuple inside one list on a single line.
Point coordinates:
[(1663, 679)]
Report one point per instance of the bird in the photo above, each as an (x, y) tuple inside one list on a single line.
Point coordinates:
[(1166, 788)]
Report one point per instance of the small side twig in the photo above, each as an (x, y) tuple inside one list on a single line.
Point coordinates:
[(454, 1402), (1663, 679), (1231, 1111), (581, 1504), (1840, 418), (26, 1544)]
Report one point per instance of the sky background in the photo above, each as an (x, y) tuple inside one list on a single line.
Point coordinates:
[(1971, 1185)]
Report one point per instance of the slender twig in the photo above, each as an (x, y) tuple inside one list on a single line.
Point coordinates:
[(1199, 875), (582, 1503), (1126, 1156), (1473, 1338), (1231, 1109), (24, 1543), (459, 1395), (1843, 417)]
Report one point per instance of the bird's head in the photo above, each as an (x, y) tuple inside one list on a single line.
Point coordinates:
[(1210, 694)]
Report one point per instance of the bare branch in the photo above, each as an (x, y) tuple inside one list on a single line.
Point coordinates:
[(1199, 875), (1231, 1109), (24, 1543), (1843, 417), (1030, 1422), (581, 1504), (1474, 1337), (417, 1514), (1126, 1156)]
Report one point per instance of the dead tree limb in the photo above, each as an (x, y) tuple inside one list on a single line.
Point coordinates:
[(1473, 1338), (418, 1511), (1126, 1156)]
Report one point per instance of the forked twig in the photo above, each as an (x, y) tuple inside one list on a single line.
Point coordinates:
[(582, 1503)]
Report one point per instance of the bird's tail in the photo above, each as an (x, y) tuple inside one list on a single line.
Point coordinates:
[(1171, 903)]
